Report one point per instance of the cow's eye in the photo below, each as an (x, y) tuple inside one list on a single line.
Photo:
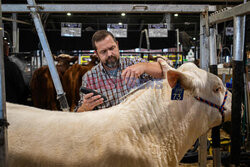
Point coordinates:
[(217, 89)]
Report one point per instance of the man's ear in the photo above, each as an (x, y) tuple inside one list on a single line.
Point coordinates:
[(186, 81), (97, 55)]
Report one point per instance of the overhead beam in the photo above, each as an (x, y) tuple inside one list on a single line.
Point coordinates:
[(14, 20), (108, 8), (228, 14), (185, 1)]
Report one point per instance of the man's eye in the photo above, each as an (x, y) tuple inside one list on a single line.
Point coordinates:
[(112, 48), (103, 52)]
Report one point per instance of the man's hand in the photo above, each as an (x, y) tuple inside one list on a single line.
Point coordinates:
[(131, 73), (90, 102)]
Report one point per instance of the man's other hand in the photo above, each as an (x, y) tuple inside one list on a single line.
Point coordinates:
[(90, 102)]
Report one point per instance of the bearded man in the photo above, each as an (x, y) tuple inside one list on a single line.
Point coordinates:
[(114, 76)]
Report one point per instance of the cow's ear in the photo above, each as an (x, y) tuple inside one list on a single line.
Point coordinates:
[(55, 57), (173, 76), (165, 65), (73, 59)]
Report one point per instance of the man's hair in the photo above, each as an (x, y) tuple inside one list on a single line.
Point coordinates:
[(101, 35)]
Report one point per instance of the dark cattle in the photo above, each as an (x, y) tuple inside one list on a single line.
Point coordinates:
[(15, 88), (42, 88), (72, 80)]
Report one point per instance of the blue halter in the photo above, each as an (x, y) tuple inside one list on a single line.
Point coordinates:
[(220, 108)]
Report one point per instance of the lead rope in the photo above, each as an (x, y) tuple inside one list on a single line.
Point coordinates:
[(220, 108)]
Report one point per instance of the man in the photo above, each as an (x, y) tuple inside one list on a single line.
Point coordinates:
[(113, 76)]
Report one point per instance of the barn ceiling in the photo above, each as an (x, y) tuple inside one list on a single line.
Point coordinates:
[(189, 23), (96, 20)]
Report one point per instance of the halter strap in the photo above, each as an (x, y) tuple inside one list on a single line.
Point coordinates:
[(220, 108)]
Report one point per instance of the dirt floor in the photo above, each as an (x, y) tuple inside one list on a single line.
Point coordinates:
[(209, 164)]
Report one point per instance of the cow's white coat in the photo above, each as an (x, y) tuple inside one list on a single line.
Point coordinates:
[(146, 130)]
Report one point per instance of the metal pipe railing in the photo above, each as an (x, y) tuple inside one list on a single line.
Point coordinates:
[(3, 120)]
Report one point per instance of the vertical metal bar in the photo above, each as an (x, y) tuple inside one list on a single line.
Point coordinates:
[(239, 35), (3, 128), (204, 46), (212, 45), (17, 41), (14, 32), (202, 152), (204, 53), (178, 45), (214, 70), (238, 83), (167, 18), (140, 42), (147, 39), (54, 75)]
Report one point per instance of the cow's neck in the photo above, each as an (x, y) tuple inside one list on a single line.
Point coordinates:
[(169, 126)]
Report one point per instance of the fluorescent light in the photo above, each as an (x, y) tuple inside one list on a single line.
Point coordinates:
[(176, 14), (120, 23), (123, 14), (68, 14)]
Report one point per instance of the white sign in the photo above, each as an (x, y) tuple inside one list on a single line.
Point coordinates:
[(229, 31), (157, 30), (118, 30), (71, 29)]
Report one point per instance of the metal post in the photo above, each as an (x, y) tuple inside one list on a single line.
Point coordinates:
[(54, 75), (204, 46), (141, 38), (147, 39), (167, 18), (14, 33), (214, 70), (178, 46), (3, 127), (239, 37), (204, 53), (17, 41)]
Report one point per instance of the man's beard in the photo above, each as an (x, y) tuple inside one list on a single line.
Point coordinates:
[(112, 62)]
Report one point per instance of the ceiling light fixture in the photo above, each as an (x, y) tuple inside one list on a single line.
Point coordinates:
[(194, 38), (123, 14), (68, 14), (120, 23), (5, 38), (176, 15)]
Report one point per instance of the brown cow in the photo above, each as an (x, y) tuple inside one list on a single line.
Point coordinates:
[(42, 88), (72, 81)]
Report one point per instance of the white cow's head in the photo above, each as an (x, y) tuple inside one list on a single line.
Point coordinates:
[(202, 84)]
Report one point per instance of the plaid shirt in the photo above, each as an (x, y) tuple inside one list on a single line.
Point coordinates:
[(113, 87)]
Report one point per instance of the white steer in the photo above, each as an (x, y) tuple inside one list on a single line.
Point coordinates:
[(148, 129)]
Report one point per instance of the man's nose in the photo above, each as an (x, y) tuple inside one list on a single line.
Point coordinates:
[(109, 53)]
